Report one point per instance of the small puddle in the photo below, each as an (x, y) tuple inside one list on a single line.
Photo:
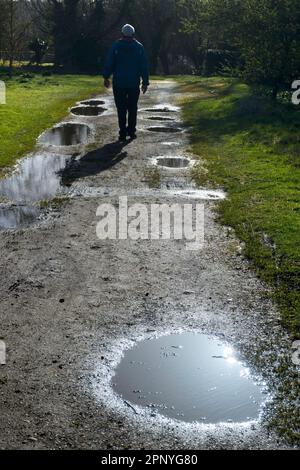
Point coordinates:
[(192, 193), (17, 216), (170, 144), (190, 377), (66, 134), (160, 118), (164, 129), (165, 109), (92, 103), (88, 110), (35, 178), (179, 187), (172, 162)]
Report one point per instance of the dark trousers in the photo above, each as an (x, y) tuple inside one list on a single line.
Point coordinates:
[(126, 100)]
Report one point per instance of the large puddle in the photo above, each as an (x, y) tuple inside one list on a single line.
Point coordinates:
[(66, 134), (35, 178), (190, 377)]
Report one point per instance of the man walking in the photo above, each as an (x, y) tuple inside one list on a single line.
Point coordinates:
[(127, 63)]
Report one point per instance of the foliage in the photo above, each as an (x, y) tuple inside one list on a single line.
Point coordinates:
[(263, 33)]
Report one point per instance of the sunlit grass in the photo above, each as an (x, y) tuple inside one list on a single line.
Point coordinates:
[(251, 147)]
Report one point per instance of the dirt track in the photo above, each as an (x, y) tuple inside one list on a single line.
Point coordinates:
[(70, 303)]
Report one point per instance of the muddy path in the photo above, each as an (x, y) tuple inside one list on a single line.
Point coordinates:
[(71, 303)]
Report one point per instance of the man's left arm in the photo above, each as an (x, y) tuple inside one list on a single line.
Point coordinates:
[(144, 71)]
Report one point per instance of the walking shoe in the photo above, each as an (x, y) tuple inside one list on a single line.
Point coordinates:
[(132, 136), (122, 138)]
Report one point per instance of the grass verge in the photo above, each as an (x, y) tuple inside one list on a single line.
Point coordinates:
[(34, 103), (251, 147)]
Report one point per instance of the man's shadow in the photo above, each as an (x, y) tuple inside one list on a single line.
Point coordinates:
[(93, 162)]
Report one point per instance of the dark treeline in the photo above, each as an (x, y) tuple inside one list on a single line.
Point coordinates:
[(255, 39)]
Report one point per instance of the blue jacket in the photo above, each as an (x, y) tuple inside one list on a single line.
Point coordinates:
[(127, 62)]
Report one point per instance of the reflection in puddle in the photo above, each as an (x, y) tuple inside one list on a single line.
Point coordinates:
[(160, 118), (88, 110), (17, 216), (179, 187), (170, 144), (92, 102), (207, 194), (164, 129), (173, 162), (66, 134), (190, 377), (162, 109), (35, 178)]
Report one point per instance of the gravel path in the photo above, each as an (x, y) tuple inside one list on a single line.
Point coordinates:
[(71, 303)]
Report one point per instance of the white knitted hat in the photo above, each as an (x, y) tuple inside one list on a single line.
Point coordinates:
[(128, 31)]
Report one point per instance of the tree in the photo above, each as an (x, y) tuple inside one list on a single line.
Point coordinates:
[(268, 38), (3, 6), (78, 29), (197, 18), (154, 21), (264, 34), (15, 26)]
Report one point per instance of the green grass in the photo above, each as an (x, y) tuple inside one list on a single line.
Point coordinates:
[(35, 103), (152, 177), (251, 147)]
